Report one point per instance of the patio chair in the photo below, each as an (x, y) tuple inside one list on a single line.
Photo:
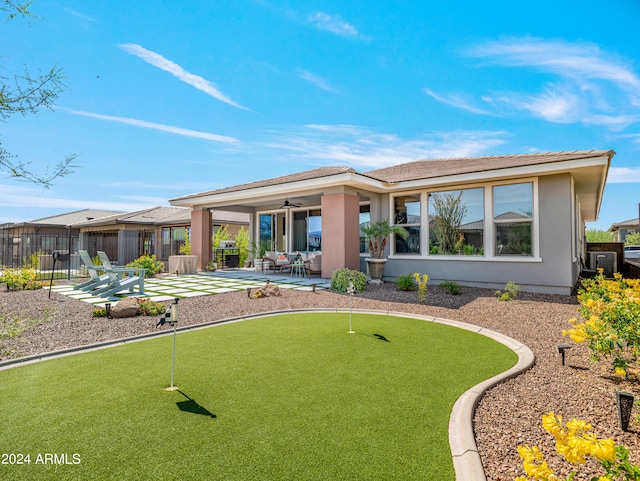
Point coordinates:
[(117, 280), (96, 280), (313, 266), (271, 261)]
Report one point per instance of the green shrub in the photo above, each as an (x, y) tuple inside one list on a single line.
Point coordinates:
[(341, 277), (511, 291), (405, 282), (632, 239), (20, 279), (421, 280), (33, 261), (610, 325), (147, 307), (149, 263), (468, 250), (453, 287)]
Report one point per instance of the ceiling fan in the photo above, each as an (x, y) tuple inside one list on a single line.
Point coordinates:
[(288, 205)]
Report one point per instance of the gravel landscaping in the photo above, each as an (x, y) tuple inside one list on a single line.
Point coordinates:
[(509, 414)]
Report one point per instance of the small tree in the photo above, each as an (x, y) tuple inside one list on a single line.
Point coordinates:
[(25, 94), (185, 249), (222, 234), (242, 243), (378, 234), (599, 235), (449, 213)]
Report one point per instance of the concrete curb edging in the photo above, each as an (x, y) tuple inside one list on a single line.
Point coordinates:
[(466, 459)]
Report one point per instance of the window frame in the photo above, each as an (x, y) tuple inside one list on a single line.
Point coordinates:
[(392, 215), (489, 224), (533, 221)]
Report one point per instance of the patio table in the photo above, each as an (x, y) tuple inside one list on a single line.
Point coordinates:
[(297, 269)]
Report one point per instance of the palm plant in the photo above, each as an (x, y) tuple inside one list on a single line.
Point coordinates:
[(378, 234)]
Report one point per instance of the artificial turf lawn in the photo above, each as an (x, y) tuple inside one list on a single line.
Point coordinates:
[(285, 397)]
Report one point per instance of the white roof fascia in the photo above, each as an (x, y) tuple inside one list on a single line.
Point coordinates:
[(506, 173), (283, 190)]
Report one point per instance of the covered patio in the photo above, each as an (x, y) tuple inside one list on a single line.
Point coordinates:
[(316, 211)]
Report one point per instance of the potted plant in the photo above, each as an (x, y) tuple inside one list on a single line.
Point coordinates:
[(378, 234), (257, 252), (184, 262)]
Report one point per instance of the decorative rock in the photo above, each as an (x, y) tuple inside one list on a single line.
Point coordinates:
[(127, 307), (268, 290), (271, 290)]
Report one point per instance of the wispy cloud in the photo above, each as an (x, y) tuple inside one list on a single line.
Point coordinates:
[(180, 73), (79, 15), (579, 60), (458, 100), (150, 125), (622, 175), (333, 24), (315, 80), (585, 84), (360, 147)]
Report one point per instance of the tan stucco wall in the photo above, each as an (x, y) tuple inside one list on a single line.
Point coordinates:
[(201, 236), (340, 232)]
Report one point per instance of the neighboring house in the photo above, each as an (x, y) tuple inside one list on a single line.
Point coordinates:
[(622, 229), (19, 241), (551, 194), (158, 231)]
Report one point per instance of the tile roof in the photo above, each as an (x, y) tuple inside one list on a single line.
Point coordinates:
[(427, 169), (418, 170), (162, 216), (623, 224), (74, 217), (284, 179)]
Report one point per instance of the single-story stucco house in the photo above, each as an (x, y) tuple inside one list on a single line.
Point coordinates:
[(517, 218)]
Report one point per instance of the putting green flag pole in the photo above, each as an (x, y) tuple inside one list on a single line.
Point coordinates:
[(172, 318), (351, 289)]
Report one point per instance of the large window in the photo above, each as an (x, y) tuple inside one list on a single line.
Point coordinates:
[(307, 230), (172, 239), (456, 222), (365, 220), (513, 219), (407, 215)]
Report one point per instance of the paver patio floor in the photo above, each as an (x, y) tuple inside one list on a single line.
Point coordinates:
[(169, 287)]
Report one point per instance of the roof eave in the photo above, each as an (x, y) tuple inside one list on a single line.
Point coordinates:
[(281, 190)]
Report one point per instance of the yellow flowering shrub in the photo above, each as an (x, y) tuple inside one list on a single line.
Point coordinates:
[(610, 309), (575, 441), (421, 280)]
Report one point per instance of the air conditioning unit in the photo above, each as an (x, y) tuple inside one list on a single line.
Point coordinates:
[(604, 260)]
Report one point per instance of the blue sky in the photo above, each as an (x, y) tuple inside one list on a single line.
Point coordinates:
[(171, 98)]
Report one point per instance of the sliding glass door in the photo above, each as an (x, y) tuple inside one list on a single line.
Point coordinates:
[(272, 231), (307, 230)]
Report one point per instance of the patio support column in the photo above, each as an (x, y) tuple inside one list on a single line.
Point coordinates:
[(201, 236), (340, 232)]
